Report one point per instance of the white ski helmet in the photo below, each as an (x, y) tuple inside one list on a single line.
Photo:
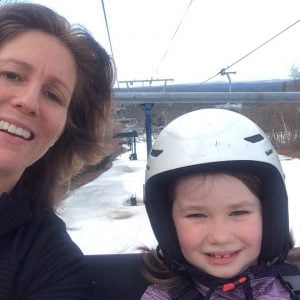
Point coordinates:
[(216, 140)]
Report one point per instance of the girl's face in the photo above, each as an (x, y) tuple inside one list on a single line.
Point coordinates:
[(37, 79), (218, 222)]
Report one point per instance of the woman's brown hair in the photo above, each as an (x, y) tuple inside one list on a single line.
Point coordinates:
[(82, 141)]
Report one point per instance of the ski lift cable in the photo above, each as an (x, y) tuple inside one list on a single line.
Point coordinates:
[(252, 51), (108, 35), (173, 37)]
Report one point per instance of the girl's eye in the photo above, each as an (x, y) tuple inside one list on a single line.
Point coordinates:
[(240, 213), (196, 216)]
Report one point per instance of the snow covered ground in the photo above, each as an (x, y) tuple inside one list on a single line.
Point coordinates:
[(100, 219)]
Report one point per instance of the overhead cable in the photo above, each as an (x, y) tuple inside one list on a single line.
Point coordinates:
[(252, 51), (173, 37), (108, 34)]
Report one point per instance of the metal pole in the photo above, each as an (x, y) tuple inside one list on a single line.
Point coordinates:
[(224, 72), (229, 81), (206, 97), (147, 109)]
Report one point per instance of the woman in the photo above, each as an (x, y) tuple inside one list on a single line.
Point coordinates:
[(55, 94)]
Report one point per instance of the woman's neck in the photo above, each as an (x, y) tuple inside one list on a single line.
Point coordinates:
[(7, 182)]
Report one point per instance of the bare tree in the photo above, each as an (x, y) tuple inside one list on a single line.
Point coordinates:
[(294, 73)]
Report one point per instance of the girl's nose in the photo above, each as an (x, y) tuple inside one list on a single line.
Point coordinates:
[(219, 232), (27, 101)]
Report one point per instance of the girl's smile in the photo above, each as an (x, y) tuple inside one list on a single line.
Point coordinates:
[(222, 258)]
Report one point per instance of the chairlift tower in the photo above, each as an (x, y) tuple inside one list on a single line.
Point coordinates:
[(130, 83), (147, 107), (224, 72)]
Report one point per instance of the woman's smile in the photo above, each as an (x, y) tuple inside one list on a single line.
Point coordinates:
[(16, 130)]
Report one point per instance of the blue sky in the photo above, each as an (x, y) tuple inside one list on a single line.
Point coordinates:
[(213, 35)]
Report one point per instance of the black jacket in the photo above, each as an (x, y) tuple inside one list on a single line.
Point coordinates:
[(38, 260)]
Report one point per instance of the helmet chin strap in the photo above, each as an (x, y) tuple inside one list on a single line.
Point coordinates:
[(186, 290), (232, 285), (216, 283)]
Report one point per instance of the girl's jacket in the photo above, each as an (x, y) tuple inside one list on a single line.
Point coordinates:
[(269, 287)]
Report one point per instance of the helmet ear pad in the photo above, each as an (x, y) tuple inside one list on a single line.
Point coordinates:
[(276, 239), (159, 210)]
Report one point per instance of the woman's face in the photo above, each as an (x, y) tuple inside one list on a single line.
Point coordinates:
[(37, 80), (218, 222)]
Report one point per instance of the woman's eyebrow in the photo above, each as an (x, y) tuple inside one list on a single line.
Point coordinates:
[(20, 63), (55, 80), (28, 67)]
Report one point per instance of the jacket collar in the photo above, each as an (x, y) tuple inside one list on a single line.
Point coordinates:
[(15, 209)]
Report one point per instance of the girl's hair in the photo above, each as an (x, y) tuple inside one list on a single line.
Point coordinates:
[(251, 181), (82, 141), (293, 257), (155, 269)]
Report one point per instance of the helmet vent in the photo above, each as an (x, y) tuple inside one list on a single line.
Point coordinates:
[(254, 138), (156, 153), (269, 152)]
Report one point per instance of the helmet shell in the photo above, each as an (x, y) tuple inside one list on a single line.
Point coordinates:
[(216, 140)]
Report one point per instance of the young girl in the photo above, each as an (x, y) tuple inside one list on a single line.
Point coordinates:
[(217, 203)]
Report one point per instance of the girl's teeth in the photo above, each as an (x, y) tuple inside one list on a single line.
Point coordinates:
[(221, 256)]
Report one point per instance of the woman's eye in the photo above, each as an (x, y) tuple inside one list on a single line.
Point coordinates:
[(53, 96), (12, 76)]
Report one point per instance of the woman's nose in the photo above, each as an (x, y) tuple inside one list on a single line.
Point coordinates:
[(27, 100)]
